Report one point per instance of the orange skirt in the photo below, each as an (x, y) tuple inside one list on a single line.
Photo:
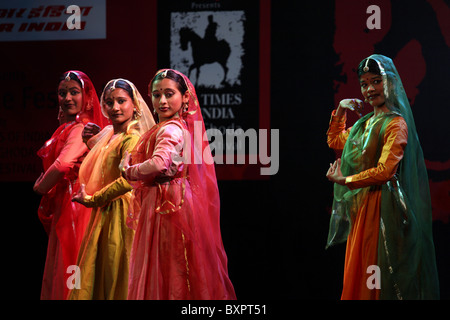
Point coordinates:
[(361, 251)]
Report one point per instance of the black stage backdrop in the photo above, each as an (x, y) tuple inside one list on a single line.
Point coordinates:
[(274, 229)]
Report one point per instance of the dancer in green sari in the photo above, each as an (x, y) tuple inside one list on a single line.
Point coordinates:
[(381, 203)]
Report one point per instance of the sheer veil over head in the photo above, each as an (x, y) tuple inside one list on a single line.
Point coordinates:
[(143, 119), (90, 111), (180, 210), (412, 171), (197, 155), (205, 217)]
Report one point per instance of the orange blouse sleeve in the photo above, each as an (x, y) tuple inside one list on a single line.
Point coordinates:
[(395, 139), (337, 134)]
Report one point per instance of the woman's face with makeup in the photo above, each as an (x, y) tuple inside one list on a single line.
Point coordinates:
[(70, 98), (372, 89), (167, 99)]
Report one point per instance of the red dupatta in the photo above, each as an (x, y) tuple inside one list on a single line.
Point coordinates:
[(63, 220), (198, 220), (49, 152), (198, 159)]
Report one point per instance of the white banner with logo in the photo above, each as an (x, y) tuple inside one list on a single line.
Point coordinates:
[(45, 20)]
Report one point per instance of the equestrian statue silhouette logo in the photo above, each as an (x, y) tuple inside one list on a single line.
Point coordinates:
[(205, 50)]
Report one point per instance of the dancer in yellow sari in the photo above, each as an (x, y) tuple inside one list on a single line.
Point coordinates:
[(105, 249)]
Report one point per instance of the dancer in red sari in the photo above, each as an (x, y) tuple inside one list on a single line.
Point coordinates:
[(177, 251), (63, 220)]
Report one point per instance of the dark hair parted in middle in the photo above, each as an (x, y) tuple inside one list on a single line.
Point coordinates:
[(371, 64), (122, 85), (169, 74)]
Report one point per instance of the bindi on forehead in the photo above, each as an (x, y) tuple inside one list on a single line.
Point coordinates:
[(70, 89), (364, 78), (69, 85), (164, 84), (116, 91), (172, 90)]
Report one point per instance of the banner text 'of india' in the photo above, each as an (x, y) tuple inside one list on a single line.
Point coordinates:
[(47, 20)]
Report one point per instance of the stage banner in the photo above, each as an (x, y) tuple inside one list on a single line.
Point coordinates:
[(224, 49), (44, 20)]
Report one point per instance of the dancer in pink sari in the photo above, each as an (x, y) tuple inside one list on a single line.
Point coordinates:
[(63, 220), (177, 251)]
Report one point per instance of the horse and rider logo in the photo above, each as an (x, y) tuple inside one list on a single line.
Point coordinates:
[(208, 47), (216, 50)]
